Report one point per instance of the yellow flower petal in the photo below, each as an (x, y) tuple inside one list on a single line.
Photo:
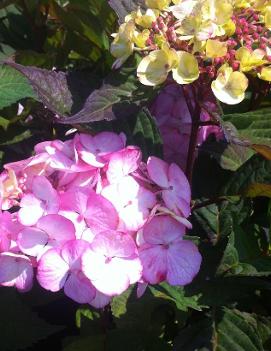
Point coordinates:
[(147, 19), (157, 4), (187, 70), (249, 60), (154, 68), (267, 17), (140, 38), (215, 48), (265, 74), (229, 86), (229, 28)]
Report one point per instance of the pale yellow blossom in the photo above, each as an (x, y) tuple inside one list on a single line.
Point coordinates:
[(187, 69), (154, 68), (229, 86)]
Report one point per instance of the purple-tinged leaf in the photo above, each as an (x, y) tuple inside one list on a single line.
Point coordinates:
[(50, 86), (124, 7), (120, 96)]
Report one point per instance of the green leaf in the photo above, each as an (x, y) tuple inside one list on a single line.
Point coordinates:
[(177, 295), (254, 126), (86, 25), (224, 330), (229, 156), (243, 254), (51, 87), (119, 303), (255, 170), (120, 96), (13, 86), (20, 327)]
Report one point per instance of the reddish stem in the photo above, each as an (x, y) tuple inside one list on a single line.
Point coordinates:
[(195, 117)]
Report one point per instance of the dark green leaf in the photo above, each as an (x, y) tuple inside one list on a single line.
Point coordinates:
[(224, 330), (255, 170), (254, 126), (13, 86), (177, 295)]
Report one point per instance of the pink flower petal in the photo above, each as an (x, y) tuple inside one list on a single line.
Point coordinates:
[(16, 270), (122, 163), (43, 190), (52, 270), (100, 300), (75, 200), (162, 230), (31, 210), (72, 251), (179, 182), (183, 262), (132, 201), (108, 276), (94, 148), (79, 288), (176, 203), (154, 261), (158, 171), (57, 227), (31, 241), (100, 214), (114, 244)]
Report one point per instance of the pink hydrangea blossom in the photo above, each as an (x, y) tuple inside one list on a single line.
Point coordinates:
[(112, 262), (87, 215), (165, 255), (61, 267)]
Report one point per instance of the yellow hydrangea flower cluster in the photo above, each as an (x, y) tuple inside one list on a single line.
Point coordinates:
[(221, 41)]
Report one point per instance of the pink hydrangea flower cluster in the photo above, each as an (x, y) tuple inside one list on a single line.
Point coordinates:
[(174, 120), (88, 216)]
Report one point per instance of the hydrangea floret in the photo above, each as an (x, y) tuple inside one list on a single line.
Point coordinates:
[(88, 216), (225, 43)]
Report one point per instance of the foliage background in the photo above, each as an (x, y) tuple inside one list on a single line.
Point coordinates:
[(227, 307)]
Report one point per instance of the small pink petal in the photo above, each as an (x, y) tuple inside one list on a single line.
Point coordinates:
[(31, 210), (72, 251), (44, 190), (158, 171), (31, 241), (183, 262), (16, 270), (100, 214), (141, 288), (108, 276), (162, 230), (178, 181), (100, 300), (75, 200), (57, 227), (154, 261), (52, 270), (114, 244), (79, 288), (122, 163)]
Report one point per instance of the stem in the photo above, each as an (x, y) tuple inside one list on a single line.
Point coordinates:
[(208, 123), (195, 117), (208, 203)]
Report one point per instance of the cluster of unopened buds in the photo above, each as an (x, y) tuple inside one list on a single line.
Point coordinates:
[(89, 216), (225, 42)]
